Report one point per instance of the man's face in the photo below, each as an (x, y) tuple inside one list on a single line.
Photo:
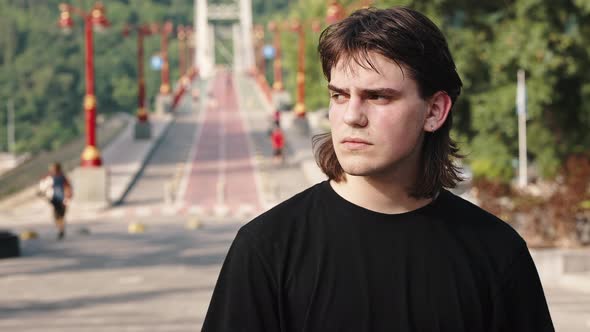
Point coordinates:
[(377, 119)]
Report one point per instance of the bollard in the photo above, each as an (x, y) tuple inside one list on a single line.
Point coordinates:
[(28, 235), (193, 223), (220, 191), (135, 228), (9, 245)]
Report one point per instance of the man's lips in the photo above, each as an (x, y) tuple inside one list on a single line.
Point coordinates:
[(354, 140), (354, 143)]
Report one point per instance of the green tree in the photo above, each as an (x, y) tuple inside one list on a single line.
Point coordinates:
[(490, 42), (42, 70)]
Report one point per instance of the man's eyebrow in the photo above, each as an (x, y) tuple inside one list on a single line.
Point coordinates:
[(380, 91), (336, 89)]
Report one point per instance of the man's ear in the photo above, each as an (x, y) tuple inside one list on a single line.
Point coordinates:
[(439, 107)]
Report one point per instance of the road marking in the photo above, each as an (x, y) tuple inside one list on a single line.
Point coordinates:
[(222, 158), (195, 210), (117, 213), (169, 210), (254, 161), (220, 211), (180, 195), (143, 211), (245, 210)]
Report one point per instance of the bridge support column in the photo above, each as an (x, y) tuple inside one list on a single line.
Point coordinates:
[(238, 49), (246, 40), (211, 38), (203, 56)]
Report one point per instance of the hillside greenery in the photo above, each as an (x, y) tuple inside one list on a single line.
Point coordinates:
[(41, 70), (490, 42)]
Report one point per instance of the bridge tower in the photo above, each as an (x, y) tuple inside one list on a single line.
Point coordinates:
[(240, 14)]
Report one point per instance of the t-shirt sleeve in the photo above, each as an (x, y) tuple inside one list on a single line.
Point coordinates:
[(245, 296), (520, 304)]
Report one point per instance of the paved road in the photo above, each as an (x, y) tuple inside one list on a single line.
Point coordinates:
[(222, 179), (215, 161), (109, 280), (570, 310), (151, 193), (160, 280)]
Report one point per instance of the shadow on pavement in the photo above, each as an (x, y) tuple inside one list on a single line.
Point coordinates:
[(109, 246)]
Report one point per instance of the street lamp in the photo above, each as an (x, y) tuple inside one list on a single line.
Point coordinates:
[(181, 34), (297, 27), (263, 55), (164, 31), (334, 12), (95, 19), (277, 64), (163, 100), (190, 45), (142, 128), (188, 72)]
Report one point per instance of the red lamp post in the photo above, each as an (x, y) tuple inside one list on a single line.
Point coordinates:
[(259, 59), (335, 12), (93, 19), (297, 27), (181, 35), (142, 31), (164, 31), (300, 104), (277, 63), (191, 45)]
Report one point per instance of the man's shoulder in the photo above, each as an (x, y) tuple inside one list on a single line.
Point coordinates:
[(282, 219), (481, 225)]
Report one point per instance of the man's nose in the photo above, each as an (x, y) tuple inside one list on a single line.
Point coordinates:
[(355, 113)]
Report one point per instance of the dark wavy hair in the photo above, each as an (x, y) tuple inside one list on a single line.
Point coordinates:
[(411, 40)]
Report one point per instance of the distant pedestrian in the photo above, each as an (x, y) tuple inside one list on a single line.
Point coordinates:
[(277, 139), (56, 188), (277, 118)]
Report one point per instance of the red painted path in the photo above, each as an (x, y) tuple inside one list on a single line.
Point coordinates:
[(222, 178)]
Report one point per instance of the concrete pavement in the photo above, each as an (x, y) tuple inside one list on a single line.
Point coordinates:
[(109, 280)]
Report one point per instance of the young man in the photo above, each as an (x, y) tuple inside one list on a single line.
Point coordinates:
[(57, 189), (382, 245)]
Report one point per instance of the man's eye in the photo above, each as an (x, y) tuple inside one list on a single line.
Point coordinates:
[(380, 99), (337, 97)]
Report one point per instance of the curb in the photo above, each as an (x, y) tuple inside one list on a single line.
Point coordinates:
[(156, 143), (576, 282)]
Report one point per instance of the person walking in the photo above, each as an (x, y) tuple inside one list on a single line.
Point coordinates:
[(277, 139), (383, 245), (57, 189)]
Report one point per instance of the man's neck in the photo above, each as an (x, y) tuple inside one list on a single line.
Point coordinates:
[(377, 195)]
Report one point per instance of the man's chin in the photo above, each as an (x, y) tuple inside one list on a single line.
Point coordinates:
[(359, 170)]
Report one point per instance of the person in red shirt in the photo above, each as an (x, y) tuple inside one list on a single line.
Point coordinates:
[(277, 139)]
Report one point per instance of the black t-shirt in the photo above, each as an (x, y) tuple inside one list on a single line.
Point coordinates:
[(317, 262)]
